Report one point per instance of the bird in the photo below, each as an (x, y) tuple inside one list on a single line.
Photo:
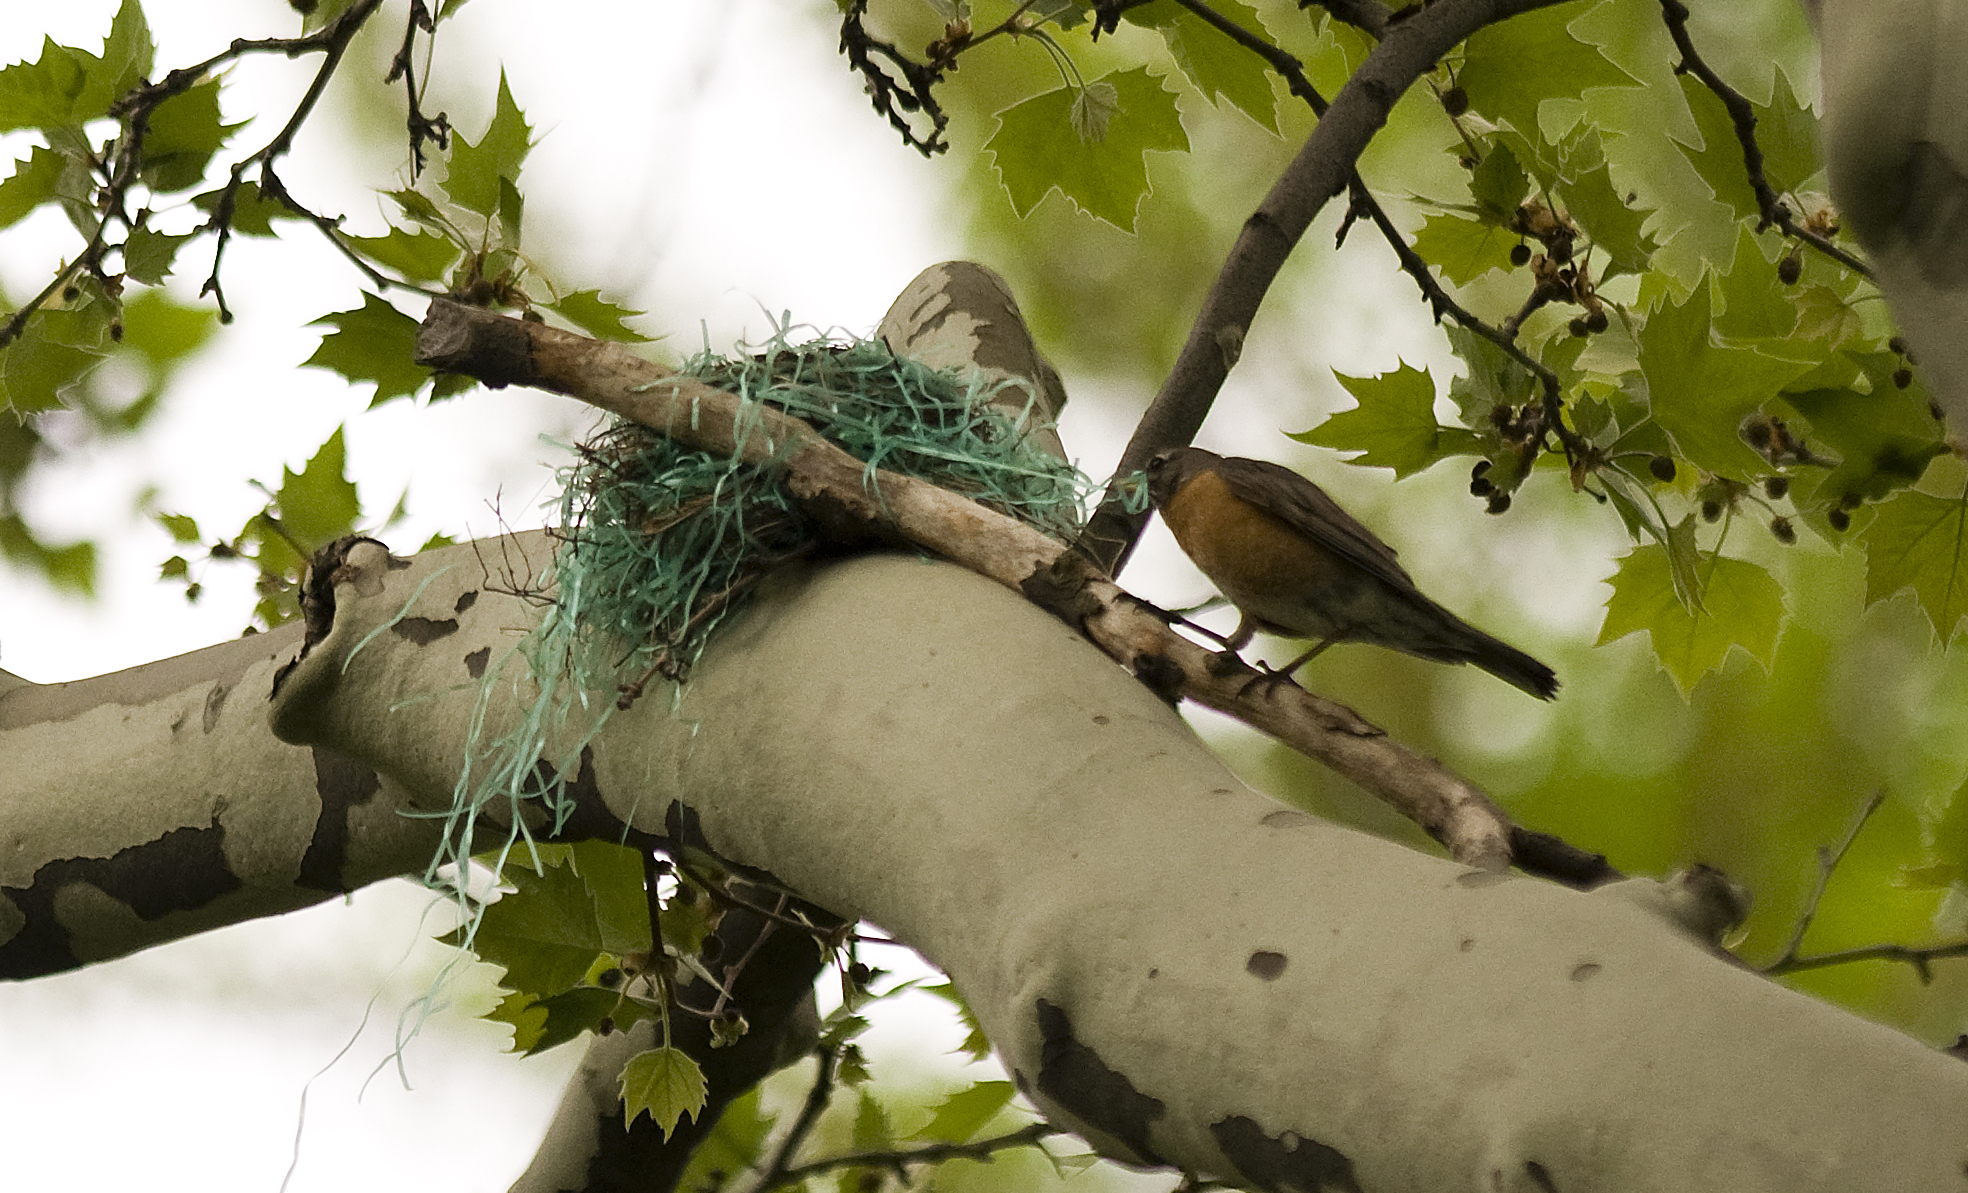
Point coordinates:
[(1297, 565)]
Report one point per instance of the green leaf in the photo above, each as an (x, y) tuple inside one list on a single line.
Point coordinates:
[(40, 367), (602, 320), (1754, 301), (165, 330), (527, 1018), (147, 255), (417, 256), (33, 182), (43, 93), (375, 342), (544, 933), (127, 58), (1498, 183), (183, 528), (1463, 249), (1037, 148), (574, 1013), (184, 134), (252, 212), (613, 874), (318, 504), (1617, 230), (1220, 68), (1884, 439), (1493, 378), (1920, 541), (71, 567), (1393, 426), (974, 1044), (1511, 67), (730, 1147), (663, 1083), (476, 169), (964, 1113), (1786, 132), (417, 206), (1742, 606), (1700, 390)]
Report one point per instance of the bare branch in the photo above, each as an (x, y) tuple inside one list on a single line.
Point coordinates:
[(1743, 116)]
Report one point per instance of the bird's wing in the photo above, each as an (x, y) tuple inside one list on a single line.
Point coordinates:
[(1308, 510)]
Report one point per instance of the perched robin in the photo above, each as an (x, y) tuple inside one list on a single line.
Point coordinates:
[(1297, 565)]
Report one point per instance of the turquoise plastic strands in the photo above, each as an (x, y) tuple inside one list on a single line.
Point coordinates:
[(660, 543)]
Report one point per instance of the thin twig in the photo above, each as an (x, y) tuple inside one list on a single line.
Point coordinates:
[(1742, 114), (817, 1097), (898, 1161), (1920, 959), (334, 46), (1828, 858)]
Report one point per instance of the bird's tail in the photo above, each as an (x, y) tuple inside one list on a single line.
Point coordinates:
[(1456, 641)]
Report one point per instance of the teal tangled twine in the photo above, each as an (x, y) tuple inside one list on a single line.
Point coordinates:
[(661, 543)]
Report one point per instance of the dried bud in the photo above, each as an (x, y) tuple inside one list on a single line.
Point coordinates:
[(1785, 532), (1499, 502), (1662, 467), (1480, 486), (1774, 487), (1839, 519), (1790, 269), (1902, 377), (1596, 321), (1897, 345), (1520, 255), (1579, 328), (1455, 101), (1711, 510)]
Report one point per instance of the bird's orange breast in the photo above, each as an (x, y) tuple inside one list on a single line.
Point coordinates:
[(1256, 559)]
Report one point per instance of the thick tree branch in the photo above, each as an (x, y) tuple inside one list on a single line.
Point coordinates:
[(1172, 966), (858, 502)]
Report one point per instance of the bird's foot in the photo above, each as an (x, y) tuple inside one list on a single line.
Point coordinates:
[(1267, 677)]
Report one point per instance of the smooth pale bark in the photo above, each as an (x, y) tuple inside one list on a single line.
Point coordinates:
[(1174, 965), (154, 803)]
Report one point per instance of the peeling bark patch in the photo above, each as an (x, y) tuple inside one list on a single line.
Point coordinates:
[(1467, 944), (422, 631), (182, 870), (1586, 970), (343, 784), (476, 660), (465, 601), (1266, 965), (1285, 818), (1074, 1076), (1288, 1161), (215, 704)]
